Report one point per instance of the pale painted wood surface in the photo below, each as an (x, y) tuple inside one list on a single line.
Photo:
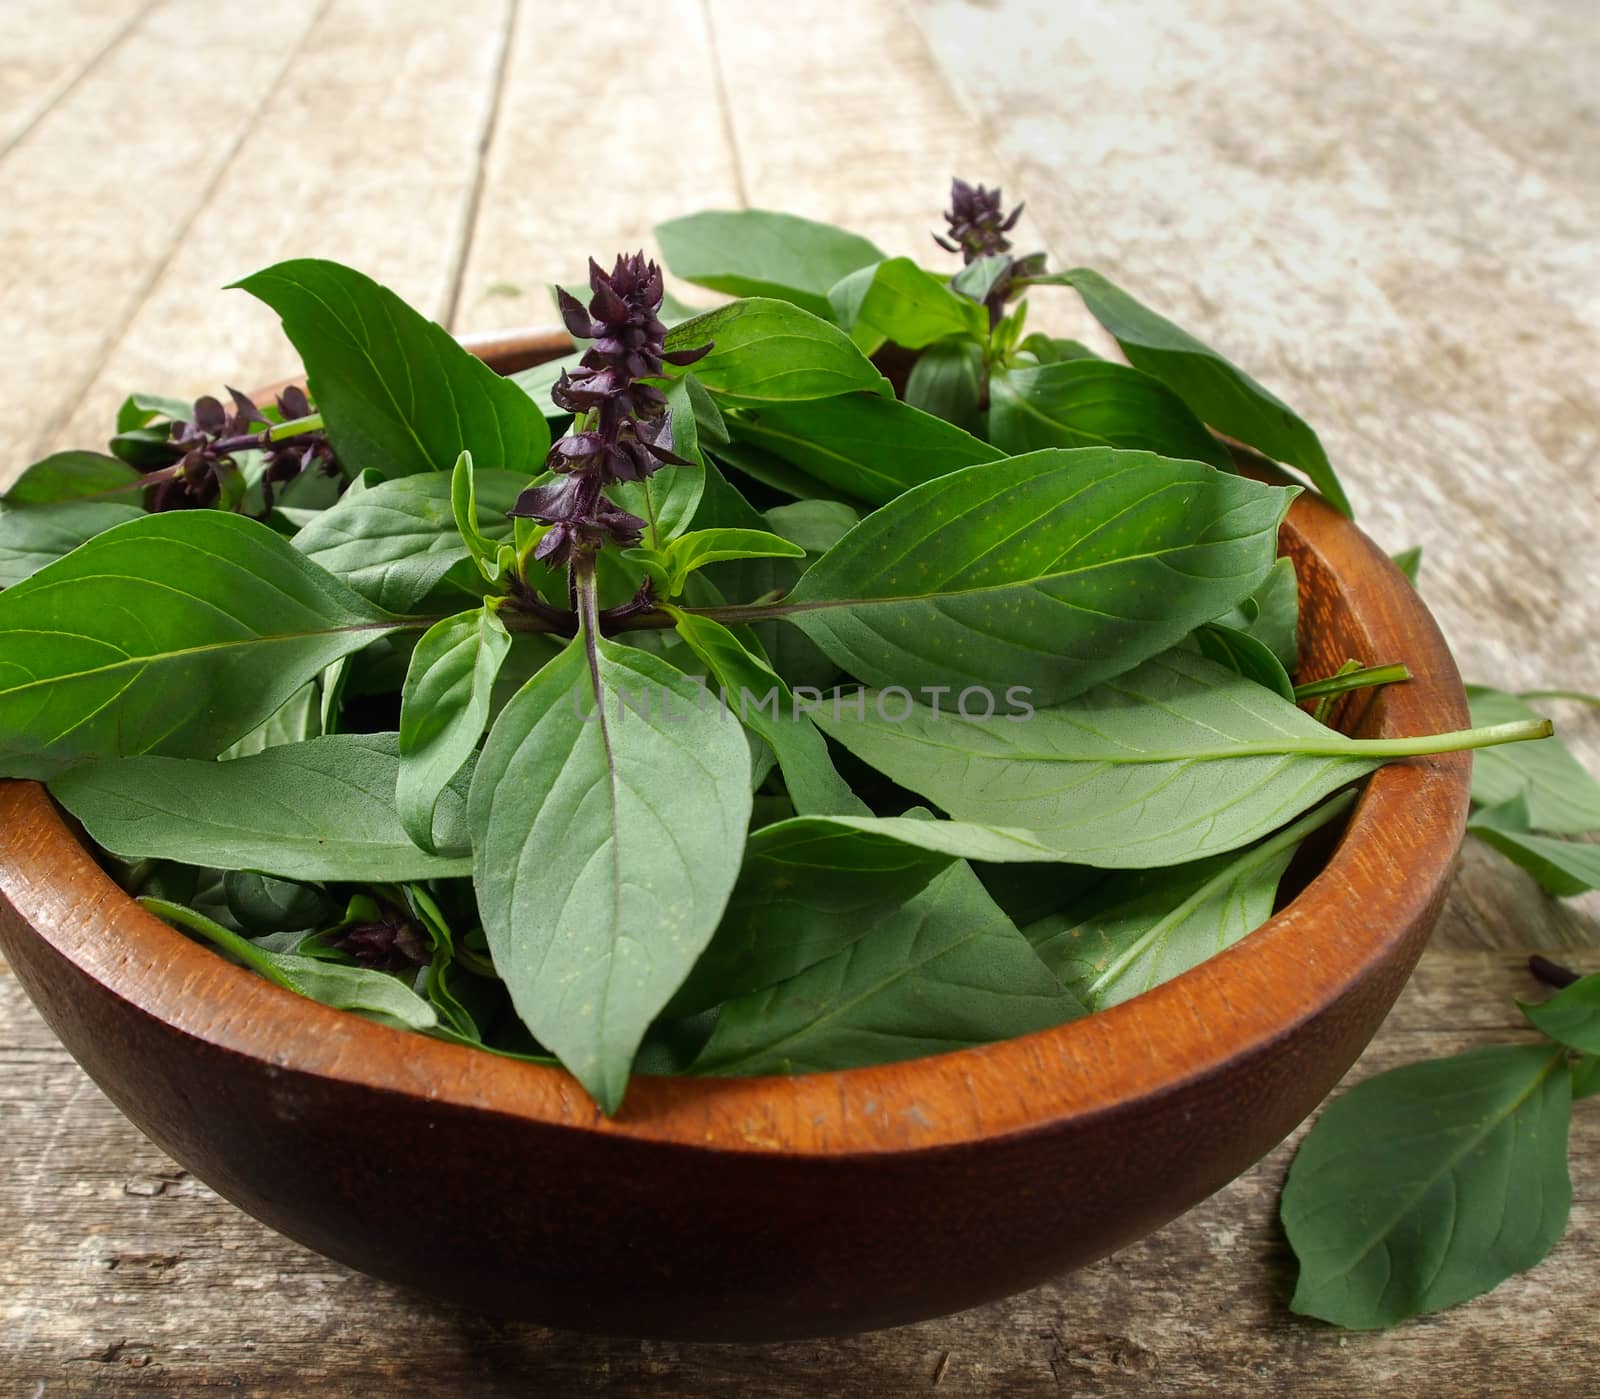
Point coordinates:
[(1386, 213)]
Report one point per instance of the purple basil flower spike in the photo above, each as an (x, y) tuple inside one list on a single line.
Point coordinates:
[(978, 229), (630, 436)]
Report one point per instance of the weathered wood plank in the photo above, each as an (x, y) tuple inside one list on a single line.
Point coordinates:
[(604, 130), (366, 152), (123, 1275), (100, 191), (45, 48)]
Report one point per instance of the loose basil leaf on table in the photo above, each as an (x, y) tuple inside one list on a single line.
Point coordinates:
[(1564, 868), (64, 476), (1092, 402), (770, 351), (1148, 926), (945, 970), (397, 541), (1219, 393), (1053, 570), (606, 842), (755, 252), (373, 994), (1430, 1184), (444, 708), (947, 382), (174, 633), (913, 308), (319, 810), (32, 536), (869, 448), (398, 394), (1562, 798), (1178, 759), (1571, 1016)]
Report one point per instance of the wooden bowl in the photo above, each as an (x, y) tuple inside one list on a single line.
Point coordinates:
[(767, 1208)]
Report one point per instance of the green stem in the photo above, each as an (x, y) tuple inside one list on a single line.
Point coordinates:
[(1357, 679), (225, 938), (295, 427), (1577, 696)]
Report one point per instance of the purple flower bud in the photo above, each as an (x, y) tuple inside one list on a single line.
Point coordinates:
[(391, 943)]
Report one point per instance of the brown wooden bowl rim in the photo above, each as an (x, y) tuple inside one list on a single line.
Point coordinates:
[(1385, 875)]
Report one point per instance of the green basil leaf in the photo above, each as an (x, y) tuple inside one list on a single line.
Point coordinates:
[(139, 410), (767, 350), (260, 903), (753, 252), (702, 547), (71, 476), (492, 560), (1563, 799), (1148, 926), (173, 633), (815, 525), (1586, 1076), (1409, 562), (1225, 397), (1047, 349), (1050, 571), (1243, 653), (872, 449), (1271, 614), (373, 994), (1571, 1016), (313, 811), (755, 692), (911, 307), (1564, 868), (299, 718), (606, 843), (947, 381), (945, 971), (397, 392), (978, 278), (444, 708), (1430, 1184), (32, 536), (668, 500), (396, 542), (745, 459), (1092, 402), (1176, 760)]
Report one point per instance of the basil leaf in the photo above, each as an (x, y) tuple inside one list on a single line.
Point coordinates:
[(1271, 614), (753, 252), (703, 547), (978, 278), (815, 525), (373, 994), (668, 500), (1430, 1184), (1571, 1016), (769, 469), (1174, 761), (945, 971), (32, 536), (1149, 926), (947, 381), (1409, 562), (443, 710), (1048, 350), (870, 448), (1052, 571), (1586, 1077), (139, 410), (173, 633), (299, 718), (70, 476), (261, 904), (767, 350), (754, 691), (319, 810), (1225, 397), (1247, 656), (397, 392), (1092, 402), (1562, 798), (606, 843), (911, 307), (1564, 868), (396, 542)]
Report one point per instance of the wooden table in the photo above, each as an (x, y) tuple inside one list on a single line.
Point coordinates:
[(1388, 216)]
